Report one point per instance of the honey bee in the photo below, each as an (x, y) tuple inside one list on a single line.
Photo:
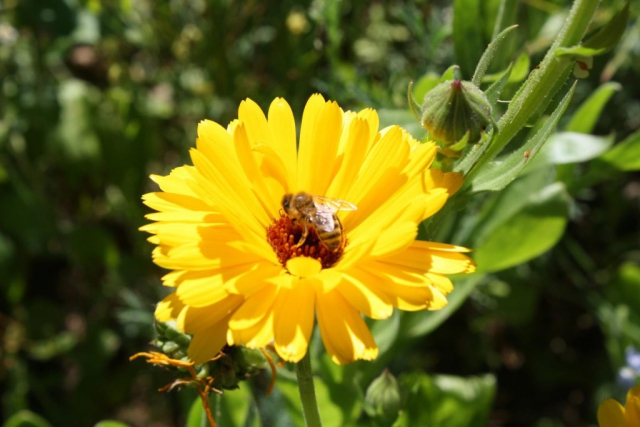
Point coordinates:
[(321, 213)]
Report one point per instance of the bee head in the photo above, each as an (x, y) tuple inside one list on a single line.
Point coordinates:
[(286, 202)]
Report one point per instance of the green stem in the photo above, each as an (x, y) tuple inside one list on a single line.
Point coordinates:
[(307, 392), (542, 83)]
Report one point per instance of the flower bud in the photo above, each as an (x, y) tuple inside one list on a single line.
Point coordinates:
[(383, 399), (453, 108)]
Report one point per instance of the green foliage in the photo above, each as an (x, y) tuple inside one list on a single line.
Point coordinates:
[(26, 419), (602, 41), (529, 232), (444, 400)]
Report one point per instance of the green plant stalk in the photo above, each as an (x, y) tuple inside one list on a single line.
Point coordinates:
[(308, 392), (542, 83)]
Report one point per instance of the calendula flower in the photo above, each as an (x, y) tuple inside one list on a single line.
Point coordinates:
[(252, 265), (613, 414)]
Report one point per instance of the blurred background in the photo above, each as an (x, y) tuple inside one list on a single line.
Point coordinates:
[(97, 95)]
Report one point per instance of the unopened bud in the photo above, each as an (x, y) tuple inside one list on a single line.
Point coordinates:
[(453, 108), (383, 398)]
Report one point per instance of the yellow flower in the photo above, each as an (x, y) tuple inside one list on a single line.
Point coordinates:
[(613, 414), (243, 273)]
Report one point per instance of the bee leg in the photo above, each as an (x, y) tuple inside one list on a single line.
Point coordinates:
[(305, 233)]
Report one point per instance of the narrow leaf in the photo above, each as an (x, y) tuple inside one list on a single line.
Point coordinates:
[(488, 55), (498, 175), (493, 92), (585, 119)]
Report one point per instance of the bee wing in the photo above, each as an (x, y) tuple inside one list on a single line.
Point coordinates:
[(323, 218), (334, 205)]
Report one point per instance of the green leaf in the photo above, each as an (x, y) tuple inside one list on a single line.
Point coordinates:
[(493, 92), (424, 85), (519, 72), (572, 147), (26, 418), (624, 156), (528, 233), (626, 288), (604, 40), (585, 119), (498, 175), (196, 416), (111, 423), (232, 409), (488, 55), (446, 401), (467, 34), (448, 74)]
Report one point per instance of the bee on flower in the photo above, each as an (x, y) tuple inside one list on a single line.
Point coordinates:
[(263, 235)]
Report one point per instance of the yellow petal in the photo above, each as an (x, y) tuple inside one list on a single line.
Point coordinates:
[(437, 301), (225, 181), (380, 176), (441, 283), (364, 298), (178, 233), (632, 408), (433, 257), (269, 201), (357, 138), (203, 256), (195, 319), (254, 309), (346, 337), (172, 279), (611, 414), (303, 266), (452, 181), (257, 336), (283, 129), (421, 158), (176, 181), (318, 148), (256, 124), (174, 202), (293, 321), (169, 308), (208, 343), (201, 288)]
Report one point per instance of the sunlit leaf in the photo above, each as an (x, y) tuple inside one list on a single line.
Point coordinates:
[(111, 423), (424, 85), (488, 55), (446, 401), (26, 418), (528, 233), (519, 71), (573, 147), (585, 119), (624, 156)]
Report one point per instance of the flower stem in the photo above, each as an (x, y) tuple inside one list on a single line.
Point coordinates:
[(307, 392)]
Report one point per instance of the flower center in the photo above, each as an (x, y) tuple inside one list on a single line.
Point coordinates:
[(285, 237)]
